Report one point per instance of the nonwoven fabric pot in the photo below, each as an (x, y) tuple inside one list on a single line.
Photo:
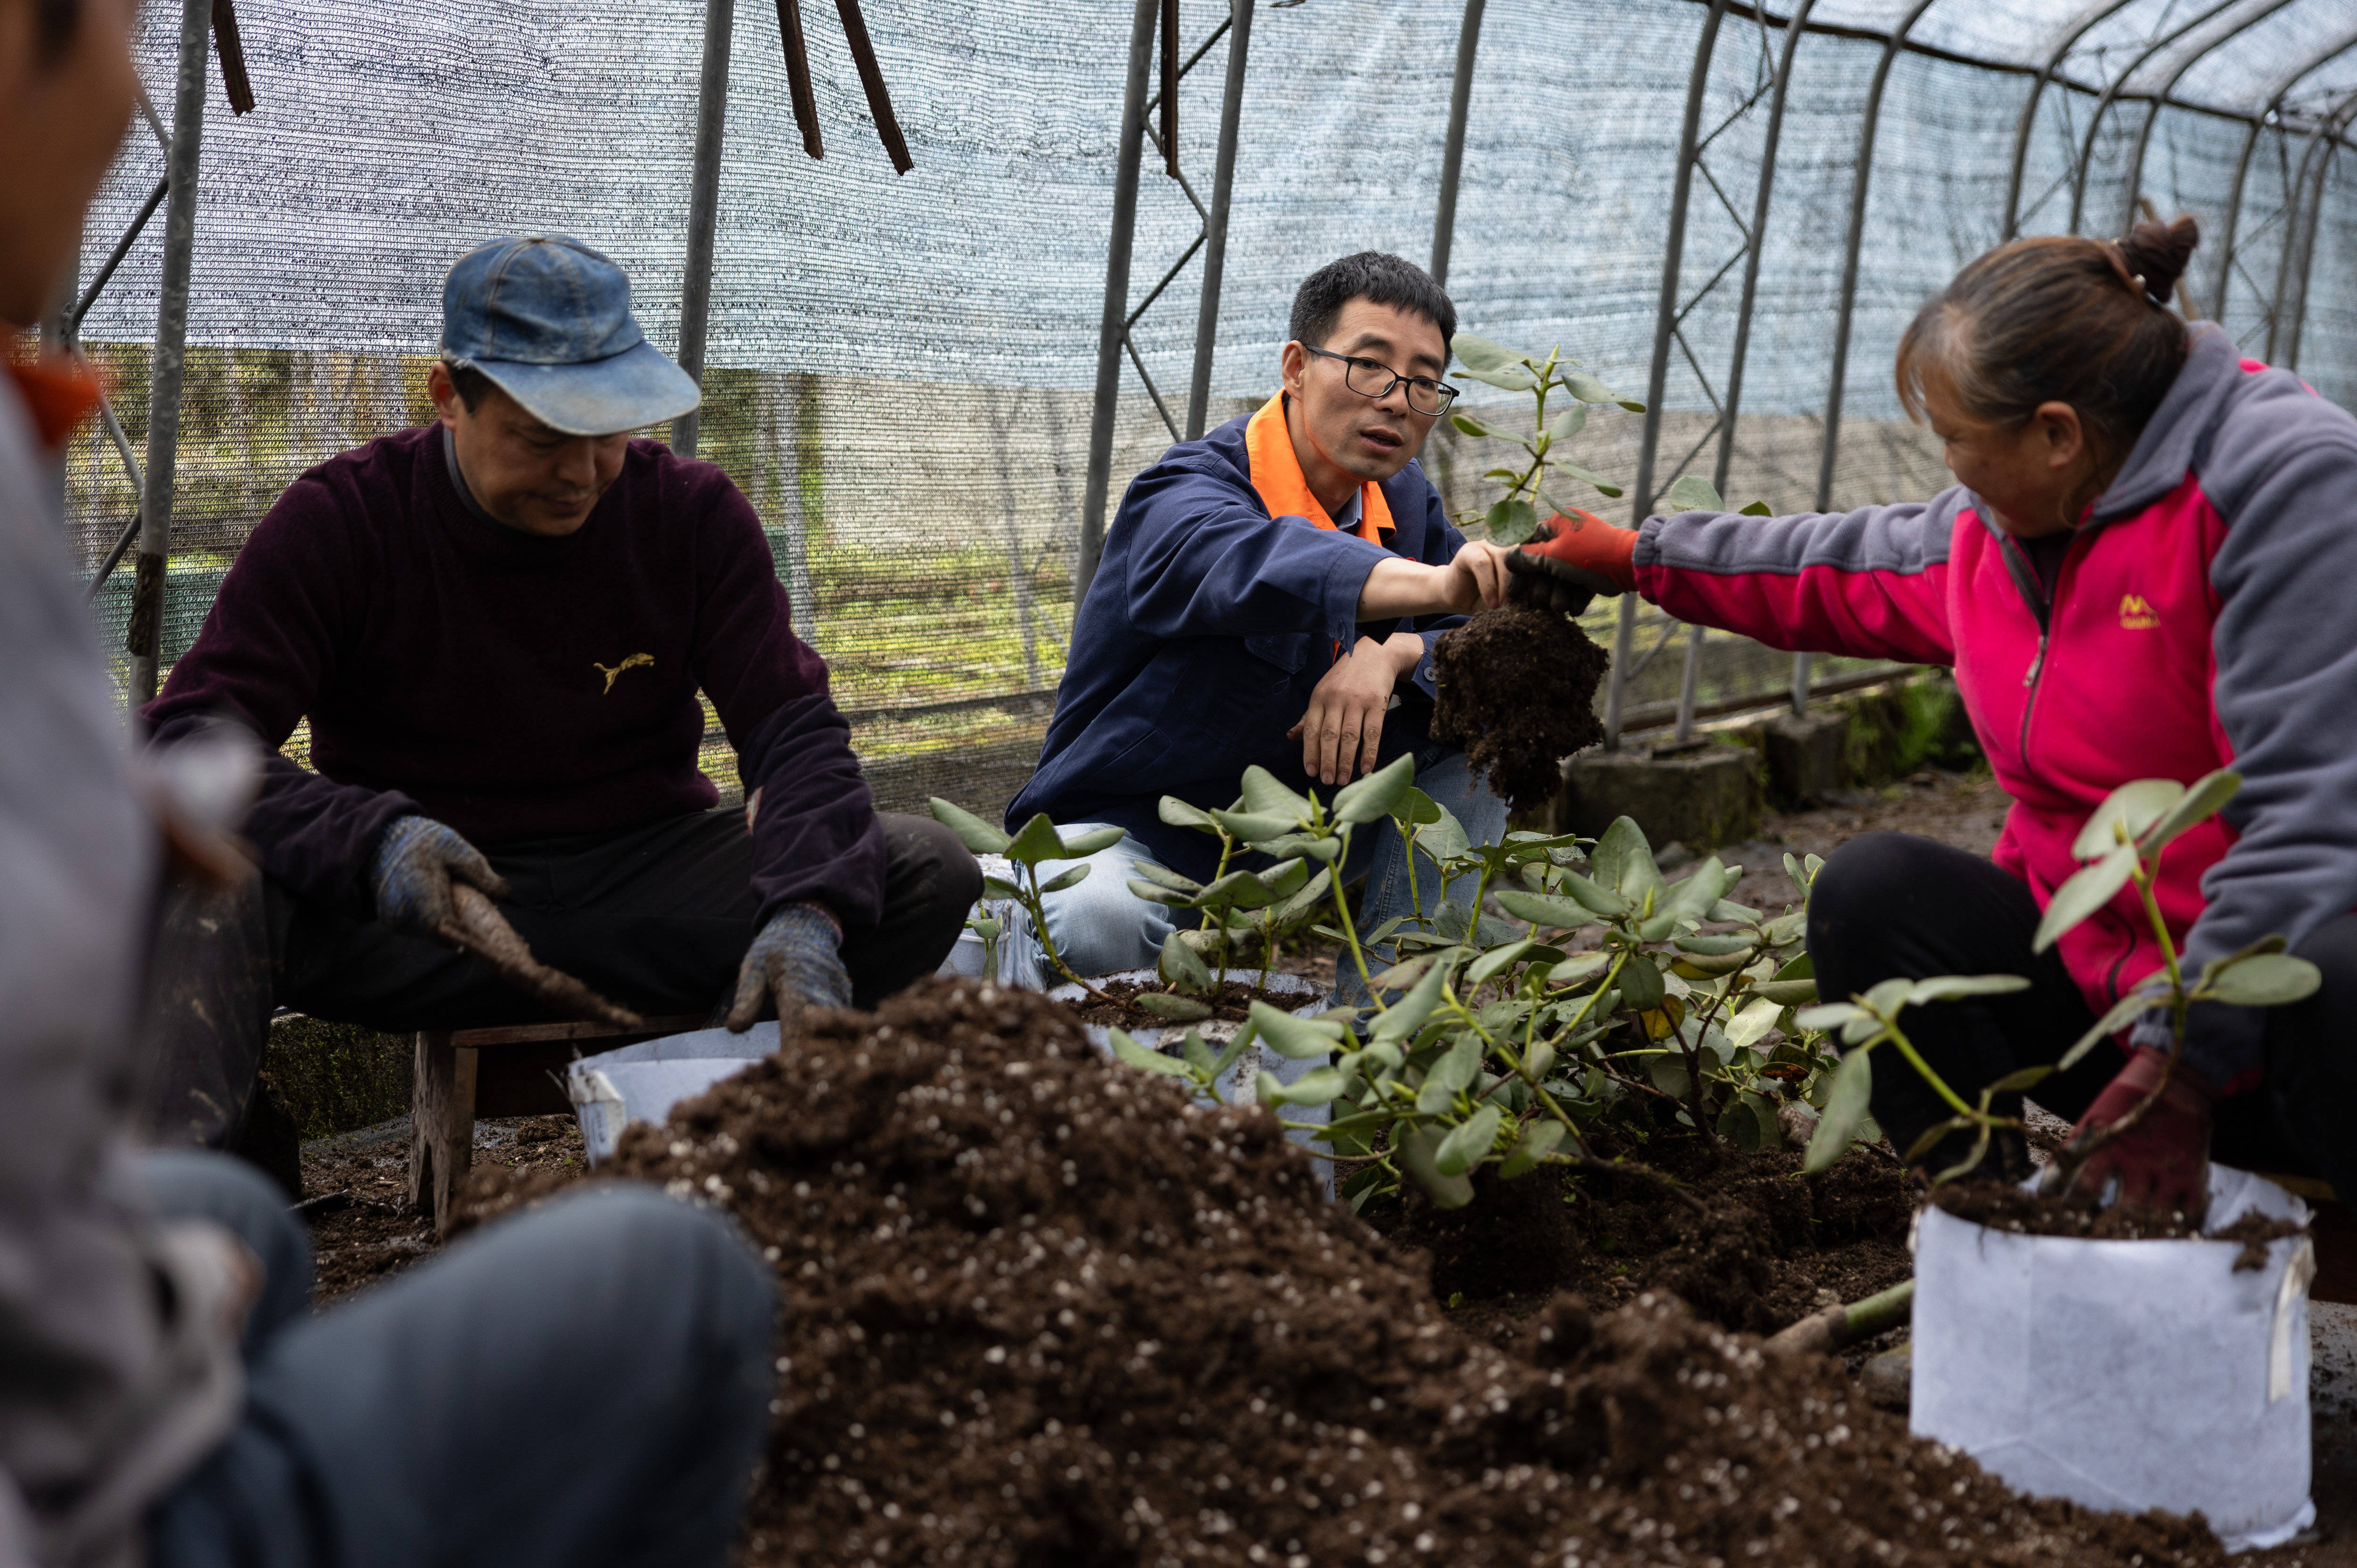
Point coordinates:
[(642, 1082), (2125, 1375)]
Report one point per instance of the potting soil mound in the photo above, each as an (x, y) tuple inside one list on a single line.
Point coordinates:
[(1037, 1310), (1518, 693)]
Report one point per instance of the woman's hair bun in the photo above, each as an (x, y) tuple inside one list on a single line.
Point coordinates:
[(2158, 253)]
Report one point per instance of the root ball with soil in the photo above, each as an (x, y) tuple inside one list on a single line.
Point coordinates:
[(1518, 693)]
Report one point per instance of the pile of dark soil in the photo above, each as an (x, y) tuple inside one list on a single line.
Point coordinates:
[(1038, 1309), (2002, 1207), (1518, 693), (1234, 1005), (1752, 1245)]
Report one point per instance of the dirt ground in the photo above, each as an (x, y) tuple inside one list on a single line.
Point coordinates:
[(1771, 1246)]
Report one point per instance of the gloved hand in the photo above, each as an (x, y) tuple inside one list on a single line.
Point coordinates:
[(1570, 559), (798, 960), (2162, 1161), (411, 876)]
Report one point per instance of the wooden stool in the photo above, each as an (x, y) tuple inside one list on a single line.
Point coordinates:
[(454, 1082)]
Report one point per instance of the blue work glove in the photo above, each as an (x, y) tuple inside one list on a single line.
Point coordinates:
[(411, 876), (797, 959)]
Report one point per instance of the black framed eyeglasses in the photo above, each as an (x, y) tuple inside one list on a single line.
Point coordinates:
[(1373, 378)]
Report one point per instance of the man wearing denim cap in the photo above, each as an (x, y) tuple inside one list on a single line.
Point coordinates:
[(497, 625)]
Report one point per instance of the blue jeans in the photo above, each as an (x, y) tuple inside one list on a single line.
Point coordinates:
[(1101, 927), (585, 1383)]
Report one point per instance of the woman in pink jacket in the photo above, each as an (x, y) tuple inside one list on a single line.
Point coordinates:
[(2143, 571)]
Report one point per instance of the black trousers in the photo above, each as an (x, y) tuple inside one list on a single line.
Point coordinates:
[(1894, 905), (657, 918)]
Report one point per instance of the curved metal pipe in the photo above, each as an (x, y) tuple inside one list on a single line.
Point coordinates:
[(1624, 636), (1215, 222), (2242, 165), (2160, 102), (2071, 36), (2103, 102), (1850, 252), (2298, 212), (1452, 156), (2327, 137)]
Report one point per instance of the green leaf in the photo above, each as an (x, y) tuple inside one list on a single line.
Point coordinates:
[(1319, 1086), (1284, 879), (1587, 389), (1948, 987), (1540, 1062), (1754, 1022), (1180, 965), (1199, 1055), (1456, 1071), (2203, 798), (2021, 1082), (1378, 794), (1689, 492), (1177, 1009), (2087, 890), (1845, 1111), (1640, 982), (1417, 1148), (1179, 814), (1082, 846), (1407, 1014), (1300, 1040), (1580, 966), (1401, 975), (1166, 877), (2123, 1012), (1465, 1146), (1496, 959), (1513, 378), (1155, 893), (1786, 993), (1255, 827), (1603, 900), (1478, 353), (1444, 840), (1263, 796), (1469, 426), (1538, 1140), (1543, 909), (1037, 841), (1511, 522), (2133, 806), (1669, 1074), (2265, 980), (1587, 476), (1569, 423), (1129, 1051), (1717, 947), (1692, 898), (977, 835), (1829, 1017), (999, 887), (1755, 508), (1312, 893), (1623, 861), (1072, 876), (1237, 891), (1415, 808)]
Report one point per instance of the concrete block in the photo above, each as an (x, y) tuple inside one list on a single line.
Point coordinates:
[(1700, 798), (1806, 757)]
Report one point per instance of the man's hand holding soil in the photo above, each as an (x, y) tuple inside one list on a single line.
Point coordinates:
[(1571, 558), (1343, 727), (1473, 579)]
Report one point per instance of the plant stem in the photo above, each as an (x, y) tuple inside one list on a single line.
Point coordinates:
[(1028, 894), (1350, 935)]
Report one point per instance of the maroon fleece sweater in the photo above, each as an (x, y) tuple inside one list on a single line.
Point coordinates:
[(521, 688)]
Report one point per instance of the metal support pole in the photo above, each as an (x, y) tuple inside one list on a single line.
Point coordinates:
[(1113, 327), (2071, 36), (1855, 239), (1215, 222), (2112, 90), (2296, 212), (2331, 130), (1664, 323), (2160, 102), (144, 638), (1452, 156), (702, 209), (2242, 165)]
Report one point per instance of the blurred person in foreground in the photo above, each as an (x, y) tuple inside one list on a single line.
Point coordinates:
[(587, 1384), (1270, 595), (2142, 572), (502, 626)]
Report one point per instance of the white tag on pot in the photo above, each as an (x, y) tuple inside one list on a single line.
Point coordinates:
[(2296, 1278)]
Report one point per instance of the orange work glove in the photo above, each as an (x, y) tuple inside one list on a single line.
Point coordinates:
[(1570, 559), (2162, 1161)]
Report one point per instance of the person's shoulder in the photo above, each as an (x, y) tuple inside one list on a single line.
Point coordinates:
[(355, 492), (1216, 462)]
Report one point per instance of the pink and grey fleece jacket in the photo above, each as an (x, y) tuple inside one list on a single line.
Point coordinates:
[(2199, 619)]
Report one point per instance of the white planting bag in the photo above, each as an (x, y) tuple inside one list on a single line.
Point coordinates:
[(642, 1082), (2124, 1375)]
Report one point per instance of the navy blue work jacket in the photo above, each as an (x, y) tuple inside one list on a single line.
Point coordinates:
[(1201, 636)]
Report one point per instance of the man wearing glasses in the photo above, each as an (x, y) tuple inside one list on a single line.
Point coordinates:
[(1270, 595)]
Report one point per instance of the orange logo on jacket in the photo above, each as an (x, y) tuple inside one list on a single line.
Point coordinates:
[(2135, 615)]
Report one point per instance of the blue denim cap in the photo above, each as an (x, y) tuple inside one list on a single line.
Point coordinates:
[(548, 320)]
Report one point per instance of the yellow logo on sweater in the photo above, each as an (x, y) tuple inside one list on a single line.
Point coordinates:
[(2135, 615), (611, 670)]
